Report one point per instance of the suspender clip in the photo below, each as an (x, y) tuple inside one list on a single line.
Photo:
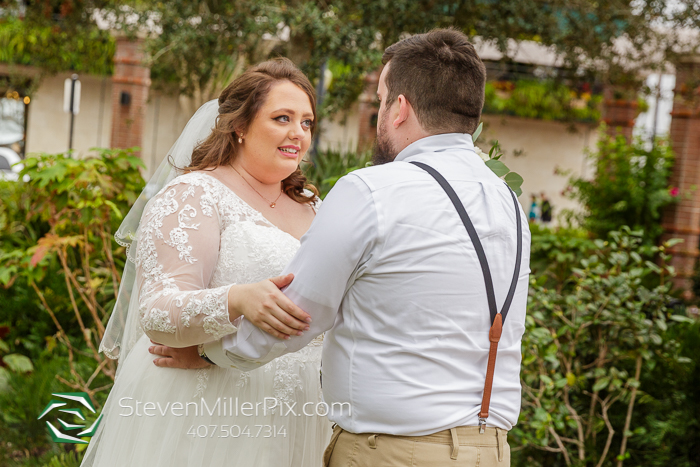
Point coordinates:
[(482, 425)]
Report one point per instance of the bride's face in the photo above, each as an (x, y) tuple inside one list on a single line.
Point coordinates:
[(280, 134)]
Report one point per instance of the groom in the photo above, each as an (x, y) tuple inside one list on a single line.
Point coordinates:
[(389, 273)]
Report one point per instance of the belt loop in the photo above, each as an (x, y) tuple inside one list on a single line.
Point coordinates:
[(499, 441), (455, 443), (372, 441)]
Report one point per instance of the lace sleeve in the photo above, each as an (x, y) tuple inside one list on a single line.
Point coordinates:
[(177, 253)]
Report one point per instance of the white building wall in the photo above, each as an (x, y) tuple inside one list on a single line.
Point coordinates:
[(341, 133), (48, 125), (536, 149)]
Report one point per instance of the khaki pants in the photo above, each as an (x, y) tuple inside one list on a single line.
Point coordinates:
[(458, 447)]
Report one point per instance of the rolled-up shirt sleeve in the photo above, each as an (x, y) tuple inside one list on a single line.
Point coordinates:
[(333, 252)]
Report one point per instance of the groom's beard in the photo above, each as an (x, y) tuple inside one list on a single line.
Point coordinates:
[(384, 151)]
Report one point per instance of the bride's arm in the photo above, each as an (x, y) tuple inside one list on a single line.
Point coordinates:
[(178, 249)]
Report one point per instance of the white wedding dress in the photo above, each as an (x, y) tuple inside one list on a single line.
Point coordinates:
[(196, 239)]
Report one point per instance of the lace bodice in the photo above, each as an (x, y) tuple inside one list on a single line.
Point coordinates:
[(196, 239)]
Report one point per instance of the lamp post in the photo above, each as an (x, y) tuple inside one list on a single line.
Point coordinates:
[(71, 103)]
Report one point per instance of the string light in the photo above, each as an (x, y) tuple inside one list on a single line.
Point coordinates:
[(27, 100)]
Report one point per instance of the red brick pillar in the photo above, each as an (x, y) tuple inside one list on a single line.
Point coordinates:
[(130, 84), (682, 219), (619, 113), (368, 111)]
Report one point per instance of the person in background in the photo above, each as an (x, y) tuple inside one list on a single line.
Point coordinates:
[(533, 209), (545, 209)]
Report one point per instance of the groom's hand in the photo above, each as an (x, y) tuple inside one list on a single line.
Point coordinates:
[(266, 307), (186, 358)]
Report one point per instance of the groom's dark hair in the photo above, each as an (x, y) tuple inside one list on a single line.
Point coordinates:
[(441, 76)]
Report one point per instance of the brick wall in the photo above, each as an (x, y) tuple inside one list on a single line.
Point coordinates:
[(130, 84), (682, 220)]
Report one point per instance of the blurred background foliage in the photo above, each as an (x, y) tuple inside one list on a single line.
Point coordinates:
[(196, 48), (23, 43), (328, 167), (544, 100), (630, 186)]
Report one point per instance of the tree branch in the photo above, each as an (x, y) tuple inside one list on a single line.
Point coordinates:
[(630, 408), (611, 431)]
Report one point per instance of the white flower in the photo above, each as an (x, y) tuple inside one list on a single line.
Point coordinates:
[(484, 156)]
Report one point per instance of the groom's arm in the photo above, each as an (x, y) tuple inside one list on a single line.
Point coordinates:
[(333, 254)]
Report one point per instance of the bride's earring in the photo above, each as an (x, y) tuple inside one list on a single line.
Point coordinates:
[(240, 139)]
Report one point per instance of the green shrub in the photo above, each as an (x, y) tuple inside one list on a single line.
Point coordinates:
[(22, 400), (670, 421), (24, 440), (58, 258), (329, 166), (20, 313), (554, 253), (66, 459), (630, 187), (57, 456), (598, 322)]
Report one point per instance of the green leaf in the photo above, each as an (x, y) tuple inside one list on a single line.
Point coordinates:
[(115, 209), (682, 319), (497, 167), (6, 274), (514, 181), (601, 384), (476, 134), (18, 363), (673, 241), (661, 324), (653, 267), (4, 377)]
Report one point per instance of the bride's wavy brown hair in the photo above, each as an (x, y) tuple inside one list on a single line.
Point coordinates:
[(239, 103)]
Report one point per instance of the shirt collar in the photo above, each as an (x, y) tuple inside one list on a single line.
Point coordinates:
[(437, 143)]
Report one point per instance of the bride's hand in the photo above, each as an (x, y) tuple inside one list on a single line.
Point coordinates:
[(264, 305), (186, 358)]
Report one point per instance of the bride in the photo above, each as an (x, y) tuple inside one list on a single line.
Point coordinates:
[(200, 247)]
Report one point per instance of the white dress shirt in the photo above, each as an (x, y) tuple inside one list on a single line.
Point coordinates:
[(388, 272)]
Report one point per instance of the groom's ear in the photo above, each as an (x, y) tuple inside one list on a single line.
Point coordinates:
[(404, 111)]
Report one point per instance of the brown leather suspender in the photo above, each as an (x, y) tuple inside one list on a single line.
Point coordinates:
[(497, 318), (494, 337)]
